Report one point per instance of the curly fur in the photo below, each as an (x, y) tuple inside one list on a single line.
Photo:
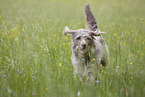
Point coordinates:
[(89, 49)]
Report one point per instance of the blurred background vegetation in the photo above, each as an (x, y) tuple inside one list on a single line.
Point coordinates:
[(35, 55)]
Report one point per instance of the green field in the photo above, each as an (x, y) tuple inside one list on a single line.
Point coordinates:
[(35, 55)]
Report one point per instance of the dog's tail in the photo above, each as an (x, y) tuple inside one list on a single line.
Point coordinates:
[(91, 23)]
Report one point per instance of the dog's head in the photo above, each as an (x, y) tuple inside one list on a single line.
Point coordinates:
[(82, 41), (82, 38)]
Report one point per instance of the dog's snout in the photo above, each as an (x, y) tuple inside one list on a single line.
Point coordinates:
[(84, 45)]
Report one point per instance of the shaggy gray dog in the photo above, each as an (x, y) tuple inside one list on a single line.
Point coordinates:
[(88, 46)]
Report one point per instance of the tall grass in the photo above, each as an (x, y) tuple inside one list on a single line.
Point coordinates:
[(35, 56)]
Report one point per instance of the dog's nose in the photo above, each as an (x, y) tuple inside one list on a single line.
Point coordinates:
[(84, 46)]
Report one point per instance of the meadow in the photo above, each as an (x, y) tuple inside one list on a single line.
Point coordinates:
[(35, 55)]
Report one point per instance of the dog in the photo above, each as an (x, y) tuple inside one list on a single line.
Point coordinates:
[(88, 46)]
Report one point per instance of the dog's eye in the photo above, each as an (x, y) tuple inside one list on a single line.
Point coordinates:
[(88, 39), (78, 38)]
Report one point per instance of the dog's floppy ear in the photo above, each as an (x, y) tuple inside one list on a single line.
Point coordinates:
[(91, 23), (68, 31)]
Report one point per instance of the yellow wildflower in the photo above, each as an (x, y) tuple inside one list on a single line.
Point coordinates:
[(94, 59), (60, 65), (101, 65), (46, 89), (0, 16), (131, 30), (114, 34), (142, 42), (54, 35), (12, 30), (2, 36), (130, 62), (3, 22), (137, 51)]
